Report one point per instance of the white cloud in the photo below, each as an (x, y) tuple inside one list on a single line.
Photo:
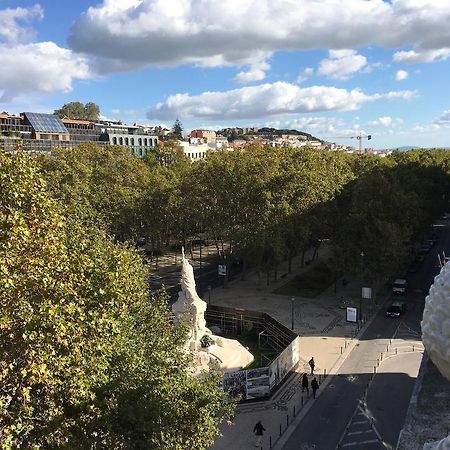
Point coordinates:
[(256, 72), (308, 72), (401, 75), (422, 56), (315, 124), (341, 64), (41, 67), (386, 121), (12, 21), (431, 127), (265, 100), (444, 118), (131, 34)]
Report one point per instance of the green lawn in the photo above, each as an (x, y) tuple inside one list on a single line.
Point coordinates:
[(309, 283), (263, 355)]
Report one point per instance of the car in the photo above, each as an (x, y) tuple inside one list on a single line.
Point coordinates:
[(396, 309), (399, 286)]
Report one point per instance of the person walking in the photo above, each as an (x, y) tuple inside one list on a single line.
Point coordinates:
[(314, 386), (312, 364), (305, 383), (258, 429)]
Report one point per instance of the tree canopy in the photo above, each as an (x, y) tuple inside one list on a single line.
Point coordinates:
[(76, 110), (88, 361), (177, 129)]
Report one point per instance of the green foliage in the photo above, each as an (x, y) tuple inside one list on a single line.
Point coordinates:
[(177, 129), (76, 110), (87, 361), (206, 341), (102, 185)]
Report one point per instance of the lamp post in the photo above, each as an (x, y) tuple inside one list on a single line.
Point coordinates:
[(292, 312), (209, 294), (362, 285)]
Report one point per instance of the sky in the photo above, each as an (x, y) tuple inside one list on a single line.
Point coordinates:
[(336, 69)]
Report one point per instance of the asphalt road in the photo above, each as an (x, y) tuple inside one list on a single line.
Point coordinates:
[(356, 417)]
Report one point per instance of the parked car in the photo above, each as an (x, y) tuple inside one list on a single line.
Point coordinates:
[(399, 286), (396, 309)]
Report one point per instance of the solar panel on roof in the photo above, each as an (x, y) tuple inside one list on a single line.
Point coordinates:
[(46, 122)]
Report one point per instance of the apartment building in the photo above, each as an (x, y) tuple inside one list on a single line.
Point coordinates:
[(42, 132), (205, 136)]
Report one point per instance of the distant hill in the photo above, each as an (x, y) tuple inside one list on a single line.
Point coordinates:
[(242, 133), (405, 148), (274, 132)]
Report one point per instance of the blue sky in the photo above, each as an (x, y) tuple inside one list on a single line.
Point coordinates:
[(334, 69)]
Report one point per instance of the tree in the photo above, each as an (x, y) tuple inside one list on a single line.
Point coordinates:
[(76, 110), (92, 111), (87, 360), (105, 185), (177, 129)]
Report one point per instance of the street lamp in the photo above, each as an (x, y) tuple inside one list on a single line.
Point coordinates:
[(209, 294), (362, 285), (292, 312)]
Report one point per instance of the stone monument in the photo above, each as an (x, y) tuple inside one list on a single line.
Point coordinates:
[(209, 351), (436, 333)]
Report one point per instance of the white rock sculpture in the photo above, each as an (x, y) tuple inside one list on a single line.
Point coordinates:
[(224, 354), (190, 307), (436, 333)]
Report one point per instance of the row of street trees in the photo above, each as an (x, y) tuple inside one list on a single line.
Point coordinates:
[(268, 204), (87, 360)]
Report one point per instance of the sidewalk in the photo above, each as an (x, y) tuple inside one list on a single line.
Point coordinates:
[(324, 334)]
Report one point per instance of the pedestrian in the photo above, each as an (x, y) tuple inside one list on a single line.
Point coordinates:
[(312, 364), (305, 383), (314, 386), (258, 429)]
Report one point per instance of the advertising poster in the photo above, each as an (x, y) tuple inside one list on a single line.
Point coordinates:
[(258, 383), (352, 314)]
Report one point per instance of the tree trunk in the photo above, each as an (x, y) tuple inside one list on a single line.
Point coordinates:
[(244, 269)]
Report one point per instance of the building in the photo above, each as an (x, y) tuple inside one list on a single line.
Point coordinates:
[(82, 130), (132, 137), (206, 136), (42, 132)]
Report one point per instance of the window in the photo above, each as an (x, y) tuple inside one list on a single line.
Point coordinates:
[(145, 142), (120, 141), (126, 141), (114, 140), (140, 141), (132, 141)]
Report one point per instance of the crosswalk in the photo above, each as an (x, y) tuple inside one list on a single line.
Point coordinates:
[(361, 433)]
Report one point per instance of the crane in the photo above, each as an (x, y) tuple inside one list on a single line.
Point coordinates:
[(359, 137)]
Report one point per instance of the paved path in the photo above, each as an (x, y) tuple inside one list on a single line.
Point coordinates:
[(324, 334)]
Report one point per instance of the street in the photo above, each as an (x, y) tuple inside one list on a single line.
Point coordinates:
[(359, 408)]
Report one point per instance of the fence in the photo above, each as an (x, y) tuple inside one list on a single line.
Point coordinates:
[(261, 382)]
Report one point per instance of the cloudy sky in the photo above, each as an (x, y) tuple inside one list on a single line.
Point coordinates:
[(333, 68)]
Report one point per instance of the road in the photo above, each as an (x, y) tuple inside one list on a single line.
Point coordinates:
[(360, 410)]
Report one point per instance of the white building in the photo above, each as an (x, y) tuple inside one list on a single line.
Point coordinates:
[(131, 137)]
